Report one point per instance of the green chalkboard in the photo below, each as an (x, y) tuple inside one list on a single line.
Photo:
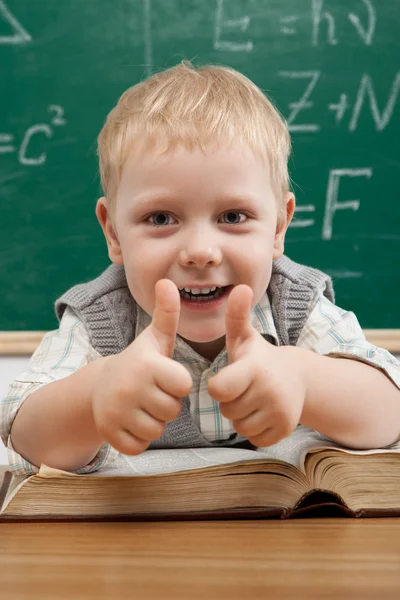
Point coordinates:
[(332, 66)]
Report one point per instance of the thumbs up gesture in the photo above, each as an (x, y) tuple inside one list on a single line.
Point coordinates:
[(262, 390), (140, 389)]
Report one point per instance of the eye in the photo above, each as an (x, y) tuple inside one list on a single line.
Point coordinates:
[(160, 219), (232, 217)]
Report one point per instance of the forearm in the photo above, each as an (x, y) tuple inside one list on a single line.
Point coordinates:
[(55, 424), (350, 402)]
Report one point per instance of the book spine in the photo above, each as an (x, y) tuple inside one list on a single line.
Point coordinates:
[(5, 483)]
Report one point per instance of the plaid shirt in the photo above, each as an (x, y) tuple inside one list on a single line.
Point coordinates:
[(329, 330)]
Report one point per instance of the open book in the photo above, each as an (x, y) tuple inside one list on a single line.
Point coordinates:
[(301, 472)]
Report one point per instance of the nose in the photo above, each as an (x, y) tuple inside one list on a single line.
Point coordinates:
[(200, 254)]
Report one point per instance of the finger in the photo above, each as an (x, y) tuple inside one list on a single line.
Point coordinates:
[(165, 320), (239, 408), (252, 425), (238, 319), (172, 378), (162, 406), (126, 443), (269, 437), (142, 425), (231, 382)]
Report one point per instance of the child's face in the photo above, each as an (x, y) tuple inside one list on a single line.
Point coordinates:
[(199, 219)]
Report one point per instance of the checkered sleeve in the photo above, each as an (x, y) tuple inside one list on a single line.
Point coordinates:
[(60, 353), (332, 331)]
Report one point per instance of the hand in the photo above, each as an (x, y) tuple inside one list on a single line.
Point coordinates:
[(140, 389), (262, 389)]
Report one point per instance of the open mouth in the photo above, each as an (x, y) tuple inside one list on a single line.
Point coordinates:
[(219, 291)]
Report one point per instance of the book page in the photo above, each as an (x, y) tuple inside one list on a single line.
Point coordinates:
[(158, 462), (15, 484), (292, 450), (391, 449), (151, 462), (295, 448)]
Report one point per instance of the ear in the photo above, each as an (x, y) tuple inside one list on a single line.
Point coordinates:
[(103, 214), (284, 217)]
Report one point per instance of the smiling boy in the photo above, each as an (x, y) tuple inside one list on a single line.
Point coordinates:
[(202, 332)]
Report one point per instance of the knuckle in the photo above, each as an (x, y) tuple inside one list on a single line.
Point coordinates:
[(226, 410), (269, 437), (285, 430), (126, 442), (172, 377), (261, 440), (173, 410), (148, 430), (132, 447), (123, 390), (242, 428), (216, 391), (185, 381), (237, 409), (266, 438), (157, 430), (212, 388), (286, 423)]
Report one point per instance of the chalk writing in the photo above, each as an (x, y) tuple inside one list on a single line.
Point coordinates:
[(320, 17), (232, 33), (365, 34), (303, 222), (19, 35), (365, 89), (288, 24), (304, 102), (332, 205), (58, 118), (221, 23), (34, 130), (321, 20), (340, 108), (317, 18), (7, 140)]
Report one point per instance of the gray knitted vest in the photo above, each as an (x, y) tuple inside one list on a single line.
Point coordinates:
[(108, 311)]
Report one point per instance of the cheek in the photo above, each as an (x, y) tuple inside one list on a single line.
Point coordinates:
[(256, 267), (253, 254), (144, 267), (141, 256)]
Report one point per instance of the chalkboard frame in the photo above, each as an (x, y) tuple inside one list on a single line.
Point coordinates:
[(24, 343)]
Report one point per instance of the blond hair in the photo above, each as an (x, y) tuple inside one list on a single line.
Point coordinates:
[(195, 107)]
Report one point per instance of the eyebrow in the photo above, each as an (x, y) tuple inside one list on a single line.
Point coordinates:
[(148, 201), (230, 199)]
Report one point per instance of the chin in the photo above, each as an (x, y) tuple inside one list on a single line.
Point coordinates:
[(201, 337)]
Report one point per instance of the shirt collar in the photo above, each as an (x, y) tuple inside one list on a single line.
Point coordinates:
[(261, 319)]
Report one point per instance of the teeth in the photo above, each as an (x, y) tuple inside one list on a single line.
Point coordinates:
[(199, 290), (201, 297)]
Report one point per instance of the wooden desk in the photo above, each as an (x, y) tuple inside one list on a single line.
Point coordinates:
[(244, 560)]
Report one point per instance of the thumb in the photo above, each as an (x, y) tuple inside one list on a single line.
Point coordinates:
[(238, 320), (166, 312)]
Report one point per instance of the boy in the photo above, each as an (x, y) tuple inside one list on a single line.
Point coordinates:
[(202, 332)]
